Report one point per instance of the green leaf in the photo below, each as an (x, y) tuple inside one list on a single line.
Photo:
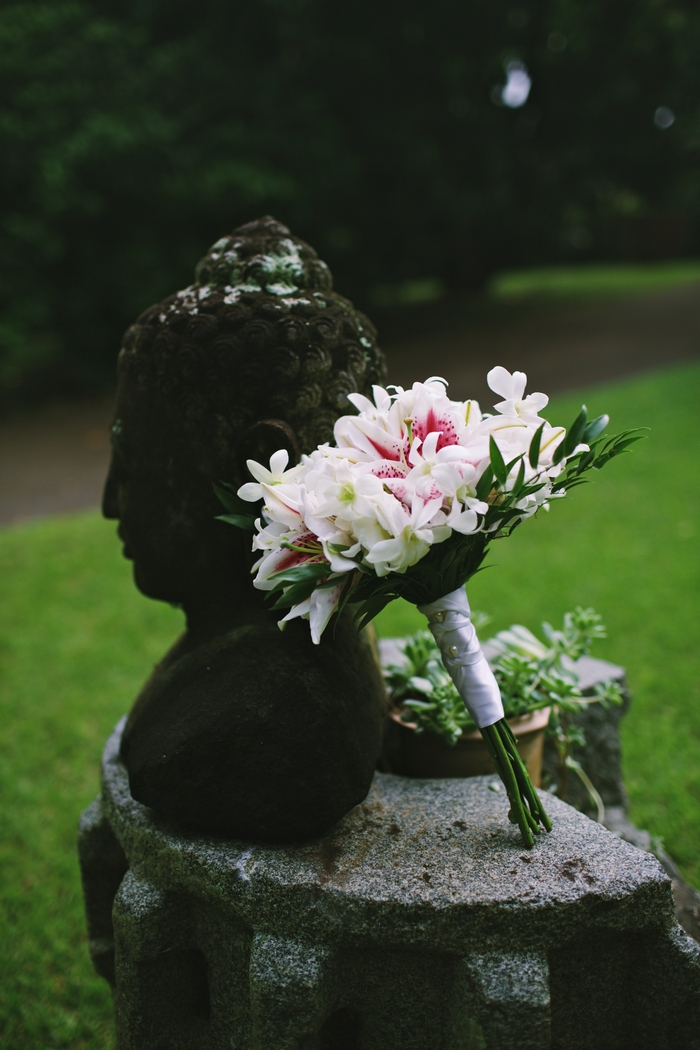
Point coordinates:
[(332, 581), (369, 609), (292, 595), (520, 480), (573, 436), (497, 463), (309, 570), (484, 485), (586, 461), (345, 595), (615, 446), (302, 586), (569, 485), (594, 429), (238, 520), (529, 490), (534, 452), (233, 502)]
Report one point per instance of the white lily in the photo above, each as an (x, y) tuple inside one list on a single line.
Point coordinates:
[(317, 609), (302, 548), (369, 409)]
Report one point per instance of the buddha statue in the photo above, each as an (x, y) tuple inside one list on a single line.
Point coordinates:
[(242, 730)]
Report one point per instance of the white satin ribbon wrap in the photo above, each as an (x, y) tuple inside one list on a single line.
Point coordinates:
[(449, 619)]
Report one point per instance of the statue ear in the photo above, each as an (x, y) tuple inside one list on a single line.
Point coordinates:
[(264, 438)]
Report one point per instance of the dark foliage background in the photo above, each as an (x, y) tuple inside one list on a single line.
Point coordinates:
[(133, 133)]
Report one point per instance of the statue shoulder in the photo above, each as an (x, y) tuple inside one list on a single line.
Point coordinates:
[(288, 729)]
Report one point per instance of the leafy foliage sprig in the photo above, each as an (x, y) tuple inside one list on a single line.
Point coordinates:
[(531, 675)]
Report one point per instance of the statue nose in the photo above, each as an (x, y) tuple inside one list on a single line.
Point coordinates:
[(110, 496)]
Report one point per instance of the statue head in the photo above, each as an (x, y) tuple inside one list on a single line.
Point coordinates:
[(258, 354)]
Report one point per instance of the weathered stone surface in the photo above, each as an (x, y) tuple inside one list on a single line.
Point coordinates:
[(686, 899), (103, 865), (259, 734), (418, 922)]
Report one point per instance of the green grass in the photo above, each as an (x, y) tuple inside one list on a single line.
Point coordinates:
[(592, 281), (76, 641)]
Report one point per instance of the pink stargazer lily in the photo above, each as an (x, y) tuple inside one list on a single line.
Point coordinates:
[(300, 548)]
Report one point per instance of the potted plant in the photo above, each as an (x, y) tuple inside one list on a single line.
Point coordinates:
[(431, 734)]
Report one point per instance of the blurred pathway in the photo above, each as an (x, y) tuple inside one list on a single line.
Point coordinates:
[(559, 347), (54, 460)]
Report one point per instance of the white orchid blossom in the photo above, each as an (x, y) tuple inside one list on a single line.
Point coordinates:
[(410, 534), (276, 475), (512, 388), (346, 491)]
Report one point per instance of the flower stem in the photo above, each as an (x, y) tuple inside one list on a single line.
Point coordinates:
[(533, 799), (505, 770), (526, 807)]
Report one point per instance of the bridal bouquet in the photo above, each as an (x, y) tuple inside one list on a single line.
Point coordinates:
[(405, 505)]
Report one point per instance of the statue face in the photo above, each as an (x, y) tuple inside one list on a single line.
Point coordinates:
[(167, 511), (137, 496), (160, 489)]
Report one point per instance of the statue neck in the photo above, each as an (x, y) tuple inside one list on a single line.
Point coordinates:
[(211, 614)]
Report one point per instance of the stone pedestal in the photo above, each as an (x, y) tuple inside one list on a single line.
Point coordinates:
[(418, 923)]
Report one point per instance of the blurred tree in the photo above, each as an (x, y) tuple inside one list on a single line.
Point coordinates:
[(135, 132)]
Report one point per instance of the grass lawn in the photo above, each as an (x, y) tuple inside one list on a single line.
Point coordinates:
[(76, 641)]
